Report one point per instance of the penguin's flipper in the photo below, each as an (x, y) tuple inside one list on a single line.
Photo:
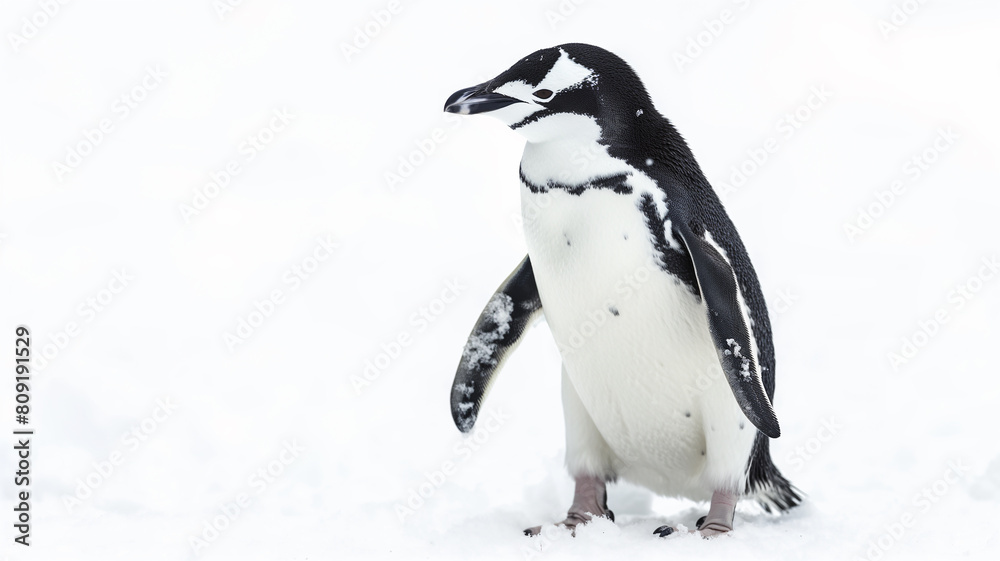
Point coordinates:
[(498, 331), (728, 320)]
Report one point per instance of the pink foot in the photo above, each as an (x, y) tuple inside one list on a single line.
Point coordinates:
[(589, 499), (719, 519)]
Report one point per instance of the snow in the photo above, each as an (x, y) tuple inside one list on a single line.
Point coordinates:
[(481, 346), (309, 432), (745, 364)]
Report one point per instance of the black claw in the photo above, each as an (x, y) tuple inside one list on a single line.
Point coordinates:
[(527, 532), (610, 514), (664, 531), (700, 522)]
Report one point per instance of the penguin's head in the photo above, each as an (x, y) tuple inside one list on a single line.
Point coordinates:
[(556, 91)]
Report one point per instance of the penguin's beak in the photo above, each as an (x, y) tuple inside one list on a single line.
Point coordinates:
[(476, 100)]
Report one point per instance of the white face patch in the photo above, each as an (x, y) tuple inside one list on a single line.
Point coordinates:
[(565, 74)]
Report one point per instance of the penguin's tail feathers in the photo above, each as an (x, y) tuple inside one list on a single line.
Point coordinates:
[(776, 495), (766, 484)]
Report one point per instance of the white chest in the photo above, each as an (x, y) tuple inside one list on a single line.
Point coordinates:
[(634, 340), (609, 305), (592, 251)]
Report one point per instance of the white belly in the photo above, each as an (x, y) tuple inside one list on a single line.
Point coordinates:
[(649, 377)]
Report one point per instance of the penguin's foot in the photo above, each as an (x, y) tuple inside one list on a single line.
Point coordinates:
[(719, 519), (664, 531), (589, 500), (571, 522)]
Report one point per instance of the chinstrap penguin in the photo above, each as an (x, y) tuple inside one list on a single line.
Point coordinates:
[(668, 364)]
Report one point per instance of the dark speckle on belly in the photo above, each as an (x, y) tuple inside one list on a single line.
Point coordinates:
[(613, 310)]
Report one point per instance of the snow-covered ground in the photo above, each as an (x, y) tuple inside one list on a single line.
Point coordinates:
[(265, 324)]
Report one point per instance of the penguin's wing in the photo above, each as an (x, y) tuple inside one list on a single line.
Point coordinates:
[(728, 320), (498, 331)]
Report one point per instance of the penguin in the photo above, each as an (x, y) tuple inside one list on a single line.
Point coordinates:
[(667, 358)]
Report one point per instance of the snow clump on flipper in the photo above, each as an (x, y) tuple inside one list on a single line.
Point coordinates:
[(482, 345)]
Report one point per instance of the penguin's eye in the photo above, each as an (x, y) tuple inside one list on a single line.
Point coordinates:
[(542, 94)]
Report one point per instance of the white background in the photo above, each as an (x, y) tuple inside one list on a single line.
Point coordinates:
[(839, 306)]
